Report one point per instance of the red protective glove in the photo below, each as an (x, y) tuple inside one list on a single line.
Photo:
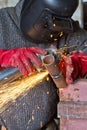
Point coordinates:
[(1, 51), (22, 58), (66, 68), (74, 66)]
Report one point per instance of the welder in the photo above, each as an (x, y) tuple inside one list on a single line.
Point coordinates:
[(27, 30)]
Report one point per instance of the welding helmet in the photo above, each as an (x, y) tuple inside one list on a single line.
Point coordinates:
[(42, 19)]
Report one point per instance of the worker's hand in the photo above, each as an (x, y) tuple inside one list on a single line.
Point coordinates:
[(74, 66), (25, 59), (79, 61)]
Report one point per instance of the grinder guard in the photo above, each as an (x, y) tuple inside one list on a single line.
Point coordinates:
[(41, 18)]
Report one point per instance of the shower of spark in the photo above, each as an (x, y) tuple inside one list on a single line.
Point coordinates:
[(9, 92)]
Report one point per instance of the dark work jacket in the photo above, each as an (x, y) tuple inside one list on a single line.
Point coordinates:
[(17, 115)]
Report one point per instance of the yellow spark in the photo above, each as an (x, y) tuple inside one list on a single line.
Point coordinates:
[(32, 117), (61, 34), (47, 78), (10, 92), (41, 124), (55, 39), (51, 35), (54, 25)]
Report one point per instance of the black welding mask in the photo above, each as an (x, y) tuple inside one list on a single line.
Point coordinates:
[(42, 20)]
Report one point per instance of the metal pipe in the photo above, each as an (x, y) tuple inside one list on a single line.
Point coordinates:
[(12, 74), (54, 71), (9, 75)]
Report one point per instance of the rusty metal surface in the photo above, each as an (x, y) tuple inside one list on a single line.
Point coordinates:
[(73, 124), (54, 71), (74, 92), (72, 110)]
